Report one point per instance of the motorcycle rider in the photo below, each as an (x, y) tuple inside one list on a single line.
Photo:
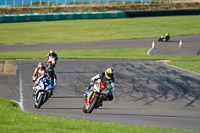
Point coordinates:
[(108, 78), (52, 54), (51, 76), (40, 70), (166, 37)]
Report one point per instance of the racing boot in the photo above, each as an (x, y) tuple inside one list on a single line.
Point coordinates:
[(51, 94)]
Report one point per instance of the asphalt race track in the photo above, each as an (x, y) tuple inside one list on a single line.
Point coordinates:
[(147, 92), (190, 45)]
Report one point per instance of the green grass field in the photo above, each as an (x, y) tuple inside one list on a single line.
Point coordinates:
[(96, 30), (12, 120), (186, 62)]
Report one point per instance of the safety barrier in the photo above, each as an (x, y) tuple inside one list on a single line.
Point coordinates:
[(130, 14), (60, 16), (93, 15)]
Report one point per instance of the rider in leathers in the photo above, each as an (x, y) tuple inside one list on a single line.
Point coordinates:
[(39, 71), (166, 37), (53, 54), (108, 78)]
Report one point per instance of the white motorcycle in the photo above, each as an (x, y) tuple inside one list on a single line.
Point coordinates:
[(42, 91)]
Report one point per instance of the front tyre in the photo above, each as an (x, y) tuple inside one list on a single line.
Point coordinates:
[(93, 104), (39, 102), (160, 39), (84, 109)]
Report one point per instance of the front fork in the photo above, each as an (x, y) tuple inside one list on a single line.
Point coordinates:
[(93, 94), (89, 95), (100, 101)]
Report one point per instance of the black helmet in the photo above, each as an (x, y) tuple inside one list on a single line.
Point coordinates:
[(50, 71)]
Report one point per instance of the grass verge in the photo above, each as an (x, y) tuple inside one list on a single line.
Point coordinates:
[(186, 62), (97, 29), (12, 120)]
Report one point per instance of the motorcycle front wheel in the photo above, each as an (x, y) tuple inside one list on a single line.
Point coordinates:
[(160, 39), (40, 101), (93, 104), (84, 109)]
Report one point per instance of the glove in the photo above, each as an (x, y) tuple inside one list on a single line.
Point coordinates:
[(33, 78), (88, 88), (91, 83)]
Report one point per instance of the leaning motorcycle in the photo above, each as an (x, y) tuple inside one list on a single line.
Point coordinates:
[(95, 97), (42, 91), (162, 39)]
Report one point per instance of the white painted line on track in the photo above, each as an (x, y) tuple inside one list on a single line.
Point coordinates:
[(180, 68), (148, 52), (20, 89), (20, 105)]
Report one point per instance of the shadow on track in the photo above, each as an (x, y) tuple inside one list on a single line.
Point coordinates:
[(67, 97), (77, 72), (64, 108), (151, 83)]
